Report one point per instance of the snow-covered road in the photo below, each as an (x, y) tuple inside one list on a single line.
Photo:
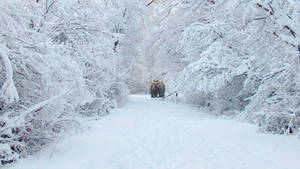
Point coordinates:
[(155, 134)]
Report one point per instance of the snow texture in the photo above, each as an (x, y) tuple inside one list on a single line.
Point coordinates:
[(155, 134)]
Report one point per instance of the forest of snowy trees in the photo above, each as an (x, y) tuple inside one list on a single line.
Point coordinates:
[(63, 62), (238, 58), (60, 63)]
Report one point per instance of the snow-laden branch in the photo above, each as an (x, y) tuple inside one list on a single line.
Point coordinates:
[(8, 91), (20, 120), (38, 106)]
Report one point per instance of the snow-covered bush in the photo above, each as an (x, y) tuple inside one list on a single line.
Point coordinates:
[(275, 106), (219, 80), (59, 64)]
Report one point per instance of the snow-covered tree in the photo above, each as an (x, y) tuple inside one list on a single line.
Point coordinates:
[(232, 57), (60, 63)]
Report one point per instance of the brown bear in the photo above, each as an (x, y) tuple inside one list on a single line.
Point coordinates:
[(157, 89)]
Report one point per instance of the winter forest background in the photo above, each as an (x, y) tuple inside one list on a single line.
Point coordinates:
[(67, 61)]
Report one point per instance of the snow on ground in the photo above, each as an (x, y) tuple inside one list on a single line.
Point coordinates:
[(155, 134)]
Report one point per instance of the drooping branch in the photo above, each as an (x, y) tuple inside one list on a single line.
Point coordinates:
[(272, 9), (169, 11), (299, 50), (115, 45), (150, 3), (47, 10), (291, 30), (20, 121), (124, 13), (266, 9), (8, 91), (39, 106)]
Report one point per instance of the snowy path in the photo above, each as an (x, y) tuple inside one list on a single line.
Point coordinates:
[(154, 134)]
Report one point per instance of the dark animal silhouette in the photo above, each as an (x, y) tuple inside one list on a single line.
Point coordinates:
[(157, 89)]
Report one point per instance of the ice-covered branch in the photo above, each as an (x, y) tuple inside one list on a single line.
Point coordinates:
[(8, 91)]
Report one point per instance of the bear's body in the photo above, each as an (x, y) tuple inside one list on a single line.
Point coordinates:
[(157, 89)]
